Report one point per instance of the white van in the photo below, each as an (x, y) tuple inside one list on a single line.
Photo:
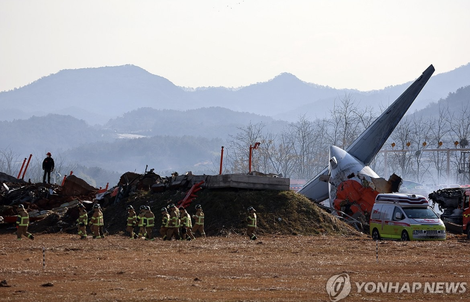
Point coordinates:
[(405, 217)]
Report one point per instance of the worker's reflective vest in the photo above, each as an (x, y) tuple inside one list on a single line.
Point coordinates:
[(23, 219), (83, 218), (97, 219), (131, 219), (199, 219), (100, 219), (174, 221), (186, 221), (251, 220), (150, 218), (142, 220), (165, 220)]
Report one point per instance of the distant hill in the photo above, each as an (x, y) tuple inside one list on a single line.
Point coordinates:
[(41, 134), (455, 102), (165, 154), (93, 94), (214, 122), (169, 140), (438, 87), (99, 94)]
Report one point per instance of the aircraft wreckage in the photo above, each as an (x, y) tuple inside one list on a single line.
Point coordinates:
[(348, 182)]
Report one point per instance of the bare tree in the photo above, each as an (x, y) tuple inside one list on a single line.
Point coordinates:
[(239, 147), (278, 155), (9, 162), (460, 128), (420, 138), (302, 143), (439, 130), (345, 122), (322, 142), (402, 136)]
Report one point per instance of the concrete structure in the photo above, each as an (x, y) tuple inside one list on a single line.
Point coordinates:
[(242, 181)]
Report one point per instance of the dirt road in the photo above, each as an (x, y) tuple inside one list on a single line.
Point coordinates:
[(273, 268)]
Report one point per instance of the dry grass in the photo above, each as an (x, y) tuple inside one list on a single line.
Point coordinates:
[(232, 268), (279, 212)]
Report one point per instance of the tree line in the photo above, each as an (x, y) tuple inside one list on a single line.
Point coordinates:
[(301, 150)]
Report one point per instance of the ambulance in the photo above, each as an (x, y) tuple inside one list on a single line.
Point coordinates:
[(405, 217)]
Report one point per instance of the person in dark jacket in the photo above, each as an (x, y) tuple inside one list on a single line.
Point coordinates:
[(48, 167)]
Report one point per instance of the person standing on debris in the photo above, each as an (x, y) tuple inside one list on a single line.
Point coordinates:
[(82, 221), (142, 222), (251, 226), (150, 223), (173, 224), (199, 221), (186, 225), (97, 222), (165, 221), (48, 167), (131, 221), (22, 223)]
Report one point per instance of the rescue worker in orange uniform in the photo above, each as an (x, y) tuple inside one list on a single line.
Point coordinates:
[(22, 223), (199, 221), (186, 225), (97, 222), (142, 222), (251, 223), (173, 224), (82, 221), (150, 223), (165, 221), (131, 221)]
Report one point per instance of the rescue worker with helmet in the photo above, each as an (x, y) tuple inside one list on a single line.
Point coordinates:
[(251, 223), (82, 221), (199, 221), (97, 222), (131, 221), (150, 223), (142, 222), (186, 225), (173, 224), (22, 223), (165, 221)]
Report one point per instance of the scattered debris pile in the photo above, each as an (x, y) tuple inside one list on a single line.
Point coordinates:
[(455, 205), (50, 207), (54, 208)]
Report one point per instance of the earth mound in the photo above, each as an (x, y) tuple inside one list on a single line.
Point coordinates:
[(279, 212), (54, 208)]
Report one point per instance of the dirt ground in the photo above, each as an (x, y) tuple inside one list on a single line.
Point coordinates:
[(232, 268)]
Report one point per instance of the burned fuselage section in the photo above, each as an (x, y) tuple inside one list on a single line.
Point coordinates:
[(454, 204), (353, 186)]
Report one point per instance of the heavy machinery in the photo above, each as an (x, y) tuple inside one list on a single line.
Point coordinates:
[(454, 203)]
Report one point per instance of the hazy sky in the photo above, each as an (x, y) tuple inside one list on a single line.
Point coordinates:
[(340, 43)]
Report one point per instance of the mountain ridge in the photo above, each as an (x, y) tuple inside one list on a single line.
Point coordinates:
[(99, 94)]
